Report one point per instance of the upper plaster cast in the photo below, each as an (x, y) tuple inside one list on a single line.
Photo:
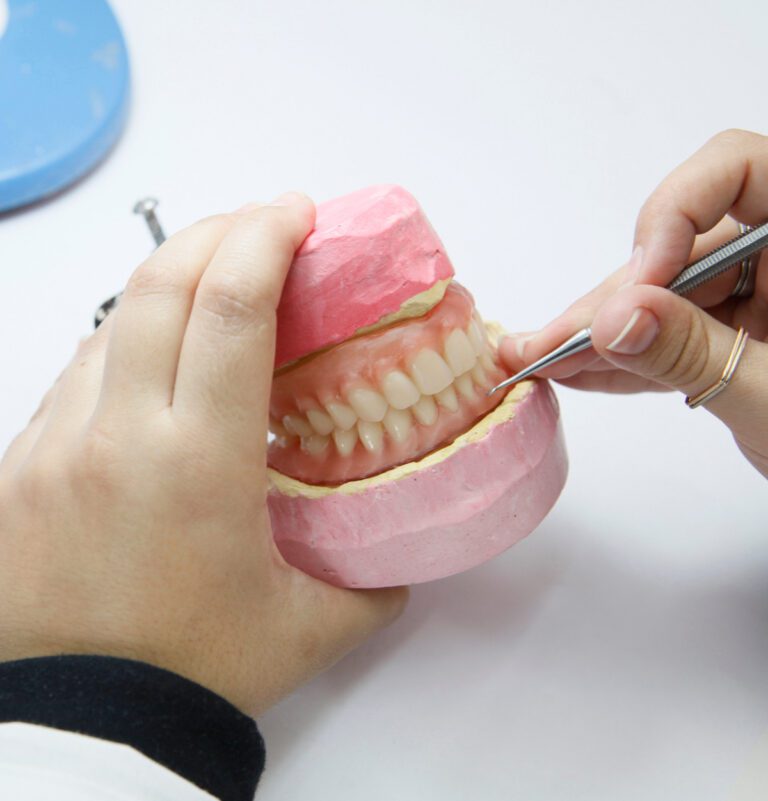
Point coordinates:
[(368, 256)]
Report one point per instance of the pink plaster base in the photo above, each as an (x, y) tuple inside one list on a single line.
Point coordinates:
[(441, 520), (369, 253)]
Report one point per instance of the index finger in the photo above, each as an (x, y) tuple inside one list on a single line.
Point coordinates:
[(525, 350), (227, 357), (728, 175)]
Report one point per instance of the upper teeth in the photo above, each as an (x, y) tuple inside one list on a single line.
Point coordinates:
[(399, 390), (320, 421), (459, 352), (430, 372), (342, 415), (370, 413), (369, 405)]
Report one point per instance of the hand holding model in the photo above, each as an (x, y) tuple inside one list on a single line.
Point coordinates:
[(647, 338), (133, 517)]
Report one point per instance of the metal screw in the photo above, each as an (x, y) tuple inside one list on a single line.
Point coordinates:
[(146, 207)]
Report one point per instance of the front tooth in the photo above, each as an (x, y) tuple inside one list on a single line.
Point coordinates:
[(459, 352), (342, 415), (476, 337), (371, 435), (399, 390), (430, 372), (345, 440), (398, 424), (297, 426), (369, 405), (314, 444), (487, 361), (320, 421), (478, 374), (425, 410), (448, 399), (466, 387)]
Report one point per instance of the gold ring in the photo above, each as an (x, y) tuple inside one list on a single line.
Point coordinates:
[(745, 285), (725, 378)]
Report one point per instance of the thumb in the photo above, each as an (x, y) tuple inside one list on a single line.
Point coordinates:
[(653, 333)]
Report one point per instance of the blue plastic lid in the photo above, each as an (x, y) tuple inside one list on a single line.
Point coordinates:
[(64, 85)]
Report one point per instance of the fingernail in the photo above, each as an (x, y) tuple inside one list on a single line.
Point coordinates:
[(633, 267), (637, 335), (287, 199), (514, 344), (520, 343)]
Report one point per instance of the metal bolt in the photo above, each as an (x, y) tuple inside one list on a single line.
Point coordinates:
[(146, 207)]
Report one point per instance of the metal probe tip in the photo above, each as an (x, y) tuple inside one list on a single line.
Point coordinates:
[(580, 341)]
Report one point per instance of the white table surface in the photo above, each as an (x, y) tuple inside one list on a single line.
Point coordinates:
[(621, 652)]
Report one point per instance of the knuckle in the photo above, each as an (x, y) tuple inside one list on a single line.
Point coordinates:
[(46, 402), (234, 301), (89, 346), (97, 458), (271, 227), (685, 363), (214, 226), (734, 136), (656, 207), (153, 278), (40, 480)]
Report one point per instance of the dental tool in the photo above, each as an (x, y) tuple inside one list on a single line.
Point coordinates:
[(716, 262), (146, 208)]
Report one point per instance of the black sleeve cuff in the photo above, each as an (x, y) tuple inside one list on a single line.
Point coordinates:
[(173, 721)]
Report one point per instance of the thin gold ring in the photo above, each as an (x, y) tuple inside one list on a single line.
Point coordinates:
[(728, 372)]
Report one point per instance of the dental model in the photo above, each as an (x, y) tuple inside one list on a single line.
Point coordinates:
[(390, 464)]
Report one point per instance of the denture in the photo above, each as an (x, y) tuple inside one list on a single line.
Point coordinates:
[(389, 463)]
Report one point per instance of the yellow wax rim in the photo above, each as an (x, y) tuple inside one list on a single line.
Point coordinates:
[(417, 306)]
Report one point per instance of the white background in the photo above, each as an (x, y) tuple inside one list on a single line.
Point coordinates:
[(621, 652)]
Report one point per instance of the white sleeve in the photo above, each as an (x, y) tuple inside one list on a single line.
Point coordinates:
[(42, 764)]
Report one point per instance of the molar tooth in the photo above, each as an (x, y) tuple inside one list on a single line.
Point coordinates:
[(345, 440), (314, 444), (430, 372), (448, 399), (320, 421), (459, 352), (371, 435), (466, 387), (425, 410), (277, 428), (297, 425), (342, 415), (476, 337), (399, 390), (369, 405), (398, 424)]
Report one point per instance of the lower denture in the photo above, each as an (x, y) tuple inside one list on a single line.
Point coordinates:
[(385, 398)]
